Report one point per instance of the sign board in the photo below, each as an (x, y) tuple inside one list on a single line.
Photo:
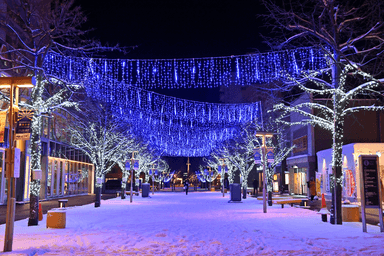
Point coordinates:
[(257, 155), (23, 126), (370, 187), (37, 174), (3, 117), (136, 165), (128, 165), (270, 155), (370, 182), (16, 165), (350, 184)]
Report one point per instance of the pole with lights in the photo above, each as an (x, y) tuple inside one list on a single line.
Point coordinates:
[(264, 162), (12, 173)]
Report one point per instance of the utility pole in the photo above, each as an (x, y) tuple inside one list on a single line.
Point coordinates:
[(11, 172)]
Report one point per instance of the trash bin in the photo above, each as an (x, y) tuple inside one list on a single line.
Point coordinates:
[(235, 190), (145, 189)]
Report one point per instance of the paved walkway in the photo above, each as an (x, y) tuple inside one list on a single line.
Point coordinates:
[(22, 210)]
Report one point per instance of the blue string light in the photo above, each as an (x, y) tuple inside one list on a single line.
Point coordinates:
[(179, 127), (186, 73)]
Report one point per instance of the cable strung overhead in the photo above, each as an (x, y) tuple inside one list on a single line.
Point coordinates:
[(187, 73), (179, 127)]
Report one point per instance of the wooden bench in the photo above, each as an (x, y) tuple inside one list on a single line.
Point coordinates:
[(133, 192), (274, 198), (62, 203), (289, 201)]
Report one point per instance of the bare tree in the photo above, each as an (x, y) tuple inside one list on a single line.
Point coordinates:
[(351, 35), (103, 140), (35, 29)]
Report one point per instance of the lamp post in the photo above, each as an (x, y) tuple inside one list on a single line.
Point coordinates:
[(132, 163), (12, 83), (263, 135)]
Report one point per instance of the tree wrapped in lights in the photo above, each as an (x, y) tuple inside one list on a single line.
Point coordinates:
[(220, 164), (163, 173), (103, 140), (208, 175), (278, 145), (37, 29), (352, 35), (240, 154), (124, 155)]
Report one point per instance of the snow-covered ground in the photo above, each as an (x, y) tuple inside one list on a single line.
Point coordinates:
[(200, 223)]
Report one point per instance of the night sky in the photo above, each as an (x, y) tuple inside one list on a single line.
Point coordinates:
[(177, 29), (166, 29)]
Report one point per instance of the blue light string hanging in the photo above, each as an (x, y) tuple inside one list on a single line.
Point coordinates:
[(186, 73), (171, 138), (171, 109)]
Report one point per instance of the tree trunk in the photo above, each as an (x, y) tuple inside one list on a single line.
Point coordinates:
[(269, 198), (98, 196), (123, 193), (337, 142), (35, 165), (33, 210), (244, 193)]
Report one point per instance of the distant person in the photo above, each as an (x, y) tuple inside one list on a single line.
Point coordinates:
[(312, 188), (226, 183), (255, 187), (186, 186)]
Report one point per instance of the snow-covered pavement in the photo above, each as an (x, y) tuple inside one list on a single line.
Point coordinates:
[(200, 223)]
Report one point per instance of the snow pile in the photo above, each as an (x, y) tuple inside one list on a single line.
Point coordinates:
[(200, 223)]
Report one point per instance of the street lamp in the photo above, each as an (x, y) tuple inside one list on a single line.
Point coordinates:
[(12, 83), (263, 135)]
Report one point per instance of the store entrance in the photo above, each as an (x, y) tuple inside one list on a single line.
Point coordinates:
[(3, 181), (300, 181)]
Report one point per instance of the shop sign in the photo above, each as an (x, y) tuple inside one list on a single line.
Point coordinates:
[(257, 156), (301, 144), (3, 117), (128, 165), (23, 126), (136, 165), (270, 155), (349, 183), (16, 165)]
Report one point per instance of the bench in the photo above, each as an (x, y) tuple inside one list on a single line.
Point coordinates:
[(62, 203), (289, 201), (275, 198), (129, 193)]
